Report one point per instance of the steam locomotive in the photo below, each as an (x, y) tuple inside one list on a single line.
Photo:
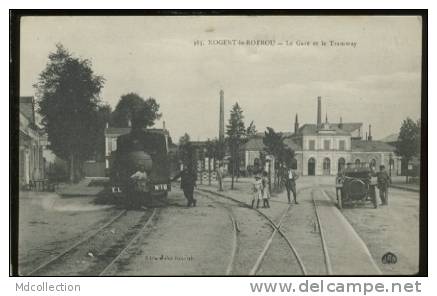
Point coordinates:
[(145, 151)]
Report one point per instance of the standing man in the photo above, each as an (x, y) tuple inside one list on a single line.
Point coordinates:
[(291, 176), (188, 181), (383, 183)]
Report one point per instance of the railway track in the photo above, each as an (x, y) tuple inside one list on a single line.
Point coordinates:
[(129, 244), (326, 257), (235, 231), (66, 262), (276, 230)]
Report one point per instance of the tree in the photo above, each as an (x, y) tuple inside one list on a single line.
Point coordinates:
[(251, 130), (275, 146), (185, 151), (408, 144), (133, 109), (68, 97), (236, 133)]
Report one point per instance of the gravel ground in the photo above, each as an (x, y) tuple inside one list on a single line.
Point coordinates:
[(49, 224), (184, 241), (199, 241)]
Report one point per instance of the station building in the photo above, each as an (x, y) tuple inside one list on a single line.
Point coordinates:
[(324, 148)]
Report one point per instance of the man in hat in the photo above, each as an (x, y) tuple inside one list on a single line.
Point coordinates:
[(384, 181), (290, 178), (188, 181)]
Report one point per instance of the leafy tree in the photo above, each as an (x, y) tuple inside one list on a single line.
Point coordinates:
[(68, 97), (274, 145), (236, 133), (408, 144), (251, 130), (186, 151), (134, 109)]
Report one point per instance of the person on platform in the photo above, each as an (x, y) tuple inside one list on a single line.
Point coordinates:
[(383, 182), (290, 177), (188, 182), (256, 191), (265, 190)]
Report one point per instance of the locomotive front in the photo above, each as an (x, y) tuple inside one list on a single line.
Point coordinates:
[(141, 166)]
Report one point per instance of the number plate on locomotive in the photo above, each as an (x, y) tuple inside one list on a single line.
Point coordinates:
[(161, 187)]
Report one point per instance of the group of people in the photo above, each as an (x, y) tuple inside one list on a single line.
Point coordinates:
[(261, 191), (261, 188)]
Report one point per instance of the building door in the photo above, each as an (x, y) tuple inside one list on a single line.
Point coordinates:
[(326, 167), (311, 167), (341, 164)]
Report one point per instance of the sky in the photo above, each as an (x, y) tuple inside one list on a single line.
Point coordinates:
[(377, 81)]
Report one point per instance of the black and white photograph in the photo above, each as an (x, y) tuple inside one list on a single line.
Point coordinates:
[(219, 144)]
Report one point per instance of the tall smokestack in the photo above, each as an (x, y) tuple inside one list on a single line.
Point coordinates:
[(319, 112), (296, 124), (222, 117), (370, 132)]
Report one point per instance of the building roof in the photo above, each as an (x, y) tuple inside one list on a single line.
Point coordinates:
[(256, 144), (391, 138), (311, 129), (371, 146), (349, 126)]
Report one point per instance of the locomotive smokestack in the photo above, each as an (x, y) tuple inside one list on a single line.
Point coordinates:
[(319, 112), (222, 117)]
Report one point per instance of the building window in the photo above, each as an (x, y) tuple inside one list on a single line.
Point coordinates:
[(342, 145), (357, 162), (326, 144), (312, 145)]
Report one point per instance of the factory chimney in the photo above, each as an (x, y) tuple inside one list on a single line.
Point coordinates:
[(296, 125), (222, 117), (370, 132), (319, 112)]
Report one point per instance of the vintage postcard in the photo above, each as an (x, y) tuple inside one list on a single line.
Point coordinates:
[(186, 144)]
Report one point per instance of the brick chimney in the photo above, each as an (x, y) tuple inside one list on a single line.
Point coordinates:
[(370, 132), (319, 112), (296, 125)]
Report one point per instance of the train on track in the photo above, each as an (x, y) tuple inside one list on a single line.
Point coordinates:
[(144, 153)]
